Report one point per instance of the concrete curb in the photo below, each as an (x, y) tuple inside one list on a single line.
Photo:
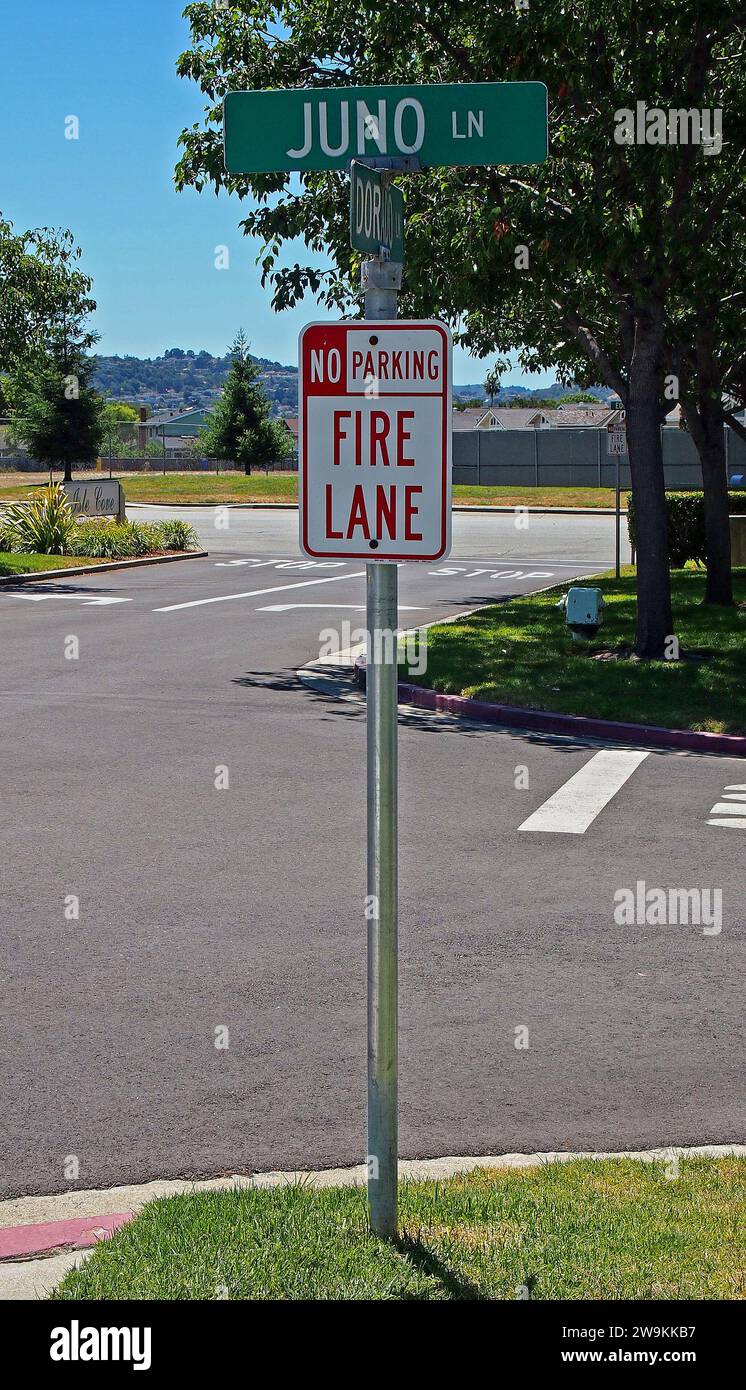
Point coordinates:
[(538, 511), (106, 567), (231, 506), (20, 1241), (572, 725), (457, 507)]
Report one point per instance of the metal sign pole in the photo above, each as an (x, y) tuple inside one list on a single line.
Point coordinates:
[(618, 512), (381, 280)]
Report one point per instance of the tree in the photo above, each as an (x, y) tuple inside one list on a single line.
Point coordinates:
[(240, 428), (119, 421), (43, 292), (575, 263), (707, 355), (492, 381), (54, 409)]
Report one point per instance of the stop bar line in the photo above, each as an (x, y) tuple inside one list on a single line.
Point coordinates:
[(254, 593)]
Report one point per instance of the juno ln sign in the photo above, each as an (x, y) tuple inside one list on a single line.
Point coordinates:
[(436, 125)]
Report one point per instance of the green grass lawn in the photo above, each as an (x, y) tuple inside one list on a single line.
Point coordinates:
[(28, 564), (536, 496), (520, 653), (610, 1229), (212, 490)]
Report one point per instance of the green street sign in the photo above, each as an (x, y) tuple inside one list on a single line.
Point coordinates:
[(327, 127), (376, 214)]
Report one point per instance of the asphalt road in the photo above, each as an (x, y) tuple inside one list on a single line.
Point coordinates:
[(204, 909)]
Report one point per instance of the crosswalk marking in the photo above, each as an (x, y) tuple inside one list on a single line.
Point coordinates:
[(575, 805), (731, 812)]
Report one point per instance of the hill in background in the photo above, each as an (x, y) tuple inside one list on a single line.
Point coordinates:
[(182, 378)]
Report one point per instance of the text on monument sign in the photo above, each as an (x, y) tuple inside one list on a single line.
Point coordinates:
[(96, 497), (375, 440)]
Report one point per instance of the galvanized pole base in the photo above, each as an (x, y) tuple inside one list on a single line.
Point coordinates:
[(383, 1148), (381, 280), (618, 519)]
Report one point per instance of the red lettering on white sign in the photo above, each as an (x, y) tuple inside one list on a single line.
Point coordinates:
[(374, 440)]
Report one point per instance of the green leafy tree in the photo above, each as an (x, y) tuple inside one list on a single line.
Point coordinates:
[(578, 263), (55, 411), (119, 433), (43, 293), (240, 428), (492, 381)]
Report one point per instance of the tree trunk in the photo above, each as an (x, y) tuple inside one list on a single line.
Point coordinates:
[(719, 588), (68, 475), (704, 416), (247, 470), (654, 617)]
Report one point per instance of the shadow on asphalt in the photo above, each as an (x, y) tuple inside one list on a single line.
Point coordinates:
[(268, 680), (51, 586), (340, 699)]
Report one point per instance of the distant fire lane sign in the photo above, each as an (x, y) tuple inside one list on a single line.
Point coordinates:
[(616, 442), (375, 440)]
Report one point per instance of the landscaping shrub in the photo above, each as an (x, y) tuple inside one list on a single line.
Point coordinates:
[(109, 540), (47, 525), (42, 526), (686, 524), (178, 535), (129, 539)]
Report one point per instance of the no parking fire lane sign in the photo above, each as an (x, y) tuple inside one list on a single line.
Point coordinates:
[(375, 440)]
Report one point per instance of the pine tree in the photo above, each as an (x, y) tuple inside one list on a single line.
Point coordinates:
[(55, 411), (240, 428)]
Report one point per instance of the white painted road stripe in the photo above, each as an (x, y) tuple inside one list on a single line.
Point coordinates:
[(733, 822), (579, 800), (358, 607), (255, 593), (39, 598), (101, 601)]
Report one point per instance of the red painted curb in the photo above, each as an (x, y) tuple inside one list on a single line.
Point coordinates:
[(26, 1242), (579, 726)]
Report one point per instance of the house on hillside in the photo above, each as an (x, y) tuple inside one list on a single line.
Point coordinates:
[(500, 418), (585, 416), (175, 429)]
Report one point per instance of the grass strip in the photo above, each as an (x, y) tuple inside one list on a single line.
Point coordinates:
[(608, 1229), (519, 652)]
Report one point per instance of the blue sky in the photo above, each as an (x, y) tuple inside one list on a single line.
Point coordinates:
[(150, 250)]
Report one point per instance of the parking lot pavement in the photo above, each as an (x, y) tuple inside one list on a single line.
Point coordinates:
[(184, 864)]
